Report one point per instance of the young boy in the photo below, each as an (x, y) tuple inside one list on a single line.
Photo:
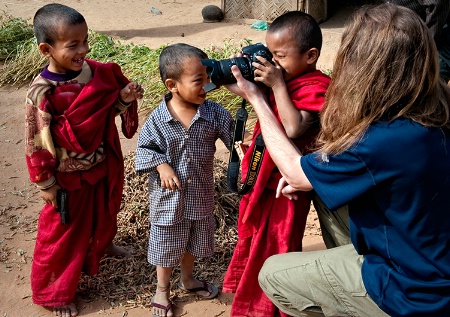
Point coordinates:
[(72, 143), (176, 147), (268, 226)]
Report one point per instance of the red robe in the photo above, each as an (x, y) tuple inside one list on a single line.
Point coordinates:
[(266, 225), (81, 119)]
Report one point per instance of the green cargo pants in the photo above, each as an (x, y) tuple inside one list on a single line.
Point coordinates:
[(320, 283)]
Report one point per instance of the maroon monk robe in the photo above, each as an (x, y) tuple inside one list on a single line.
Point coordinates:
[(269, 225), (83, 118)]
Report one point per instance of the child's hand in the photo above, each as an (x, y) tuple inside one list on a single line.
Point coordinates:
[(285, 189), (49, 195), (168, 177), (131, 92), (267, 73)]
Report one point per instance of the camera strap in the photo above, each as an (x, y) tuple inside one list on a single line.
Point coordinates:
[(234, 161)]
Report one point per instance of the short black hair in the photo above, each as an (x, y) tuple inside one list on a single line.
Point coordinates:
[(47, 19), (172, 57), (304, 28)]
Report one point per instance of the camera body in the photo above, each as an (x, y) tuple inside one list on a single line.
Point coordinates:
[(220, 71)]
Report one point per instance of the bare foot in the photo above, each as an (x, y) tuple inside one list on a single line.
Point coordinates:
[(115, 250), (66, 310), (161, 304)]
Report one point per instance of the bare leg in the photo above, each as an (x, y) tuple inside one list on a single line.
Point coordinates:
[(115, 250), (187, 275), (66, 310), (162, 292)]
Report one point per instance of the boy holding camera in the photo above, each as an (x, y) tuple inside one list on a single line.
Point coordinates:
[(176, 147), (266, 225)]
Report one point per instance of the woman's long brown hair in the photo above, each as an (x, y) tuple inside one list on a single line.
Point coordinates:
[(386, 68)]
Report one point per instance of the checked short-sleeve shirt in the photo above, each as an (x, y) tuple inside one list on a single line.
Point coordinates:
[(190, 153)]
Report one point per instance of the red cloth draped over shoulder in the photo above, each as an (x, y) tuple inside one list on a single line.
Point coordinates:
[(80, 126), (269, 225), (307, 92), (84, 116)]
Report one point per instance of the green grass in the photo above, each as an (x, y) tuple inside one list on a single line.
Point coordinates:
[(13, 32), (23, 61)]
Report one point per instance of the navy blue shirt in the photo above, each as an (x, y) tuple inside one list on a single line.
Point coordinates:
[(395, 181)]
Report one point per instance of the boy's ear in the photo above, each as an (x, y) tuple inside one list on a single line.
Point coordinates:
[(313, 55), (45, 48), (171, 85)]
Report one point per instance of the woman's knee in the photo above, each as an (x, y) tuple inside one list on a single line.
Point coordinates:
[(269, 267)]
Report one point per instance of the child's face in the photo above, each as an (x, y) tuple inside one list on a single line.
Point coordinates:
[(69, 49), (287, 54), (189, 88)]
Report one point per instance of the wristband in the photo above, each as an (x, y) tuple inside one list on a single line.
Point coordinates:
[(46, 184), (123, 103)]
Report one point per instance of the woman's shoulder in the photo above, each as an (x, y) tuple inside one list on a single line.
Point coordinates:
[(401, 127), (400, 137)]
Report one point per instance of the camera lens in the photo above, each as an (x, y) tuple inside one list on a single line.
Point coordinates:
[(225, 66), (220, 73)]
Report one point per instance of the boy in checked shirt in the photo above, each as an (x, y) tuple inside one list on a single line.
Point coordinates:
[(176, 147)]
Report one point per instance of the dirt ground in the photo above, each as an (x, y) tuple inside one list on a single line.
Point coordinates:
[(180, 21)]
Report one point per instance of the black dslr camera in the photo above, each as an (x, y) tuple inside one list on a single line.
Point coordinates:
[(220, 71)]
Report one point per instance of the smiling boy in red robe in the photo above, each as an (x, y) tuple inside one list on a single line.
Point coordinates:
[(72, 144)]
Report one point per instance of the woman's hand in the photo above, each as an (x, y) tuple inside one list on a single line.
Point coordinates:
[(243, 87)]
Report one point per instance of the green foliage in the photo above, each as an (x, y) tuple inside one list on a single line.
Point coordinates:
[(139, 63), (13, 33), (328, 71)]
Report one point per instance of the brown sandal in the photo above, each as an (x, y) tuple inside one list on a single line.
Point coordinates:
[(207, 287)]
